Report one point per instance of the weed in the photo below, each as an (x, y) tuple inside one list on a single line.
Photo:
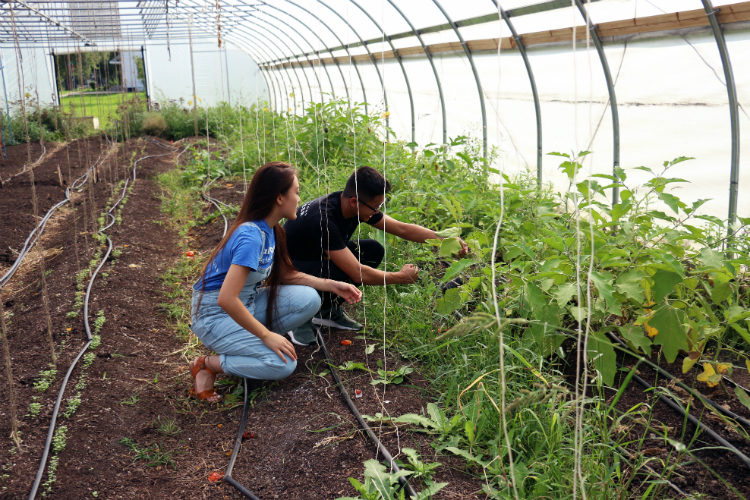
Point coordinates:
[(154, 455), (42, 383), (131, 400), (88, 359), (99, 321), (72, 406), (34, 409), (167, 427), (96, 341)]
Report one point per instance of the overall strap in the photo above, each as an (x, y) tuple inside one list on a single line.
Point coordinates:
[(262, 240)]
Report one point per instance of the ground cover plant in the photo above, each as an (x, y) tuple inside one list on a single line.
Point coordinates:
[(671, 284)]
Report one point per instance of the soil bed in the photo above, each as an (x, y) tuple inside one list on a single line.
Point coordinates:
[(139, 381)]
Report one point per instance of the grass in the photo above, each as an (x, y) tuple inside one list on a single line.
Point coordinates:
[(105, 107)]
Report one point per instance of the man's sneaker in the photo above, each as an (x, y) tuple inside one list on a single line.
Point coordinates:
[(336, 318), (305, 334)]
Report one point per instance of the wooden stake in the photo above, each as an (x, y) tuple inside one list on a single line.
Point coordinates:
[(9, 372)]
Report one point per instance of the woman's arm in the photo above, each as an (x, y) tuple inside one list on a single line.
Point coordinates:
[(229, 300), (345, 290)]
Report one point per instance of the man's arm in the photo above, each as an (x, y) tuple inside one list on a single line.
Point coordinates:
[(360, 273), (412, 232)]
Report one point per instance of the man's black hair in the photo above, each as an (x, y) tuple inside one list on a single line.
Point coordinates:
[(369, 183)]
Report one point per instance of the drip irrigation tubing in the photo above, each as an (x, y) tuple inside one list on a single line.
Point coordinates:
[(382, 449), (37, 231), (697, 423), (690, 390), (87, 327)]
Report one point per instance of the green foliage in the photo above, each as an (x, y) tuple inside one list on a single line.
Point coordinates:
[(650, 269), (154, 454), (42, 383)]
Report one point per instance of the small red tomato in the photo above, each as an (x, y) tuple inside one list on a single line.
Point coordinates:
[(215, 476), (346, 342), (190, 254), (248, 435)]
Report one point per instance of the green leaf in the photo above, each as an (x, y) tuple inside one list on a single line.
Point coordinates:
[(739, 317), (635, 336), (449, 302), (601, 351), (564, 293), (449, 232), (466, 455), (351, 365), (456, 268), (411, 418), (430, 491), (632, 291), (671, 333), (711, 258), (620, 209), (742, 396), (672, 201), (721, 292), (664, 283), (602, 281), (449, 246)]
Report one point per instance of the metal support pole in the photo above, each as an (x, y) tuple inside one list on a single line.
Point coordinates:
[(325, 68), (5, 91), (400, 63), (54, 71), (734, 117), (476, 75), (534, 92), (192, 73), (145, 78), (612, 99), (226, 69), (434, 69)]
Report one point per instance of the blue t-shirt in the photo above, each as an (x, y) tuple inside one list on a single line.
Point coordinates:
[(243, 249)]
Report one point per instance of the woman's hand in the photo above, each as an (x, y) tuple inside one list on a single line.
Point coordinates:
[(350, 293), (279, 345)]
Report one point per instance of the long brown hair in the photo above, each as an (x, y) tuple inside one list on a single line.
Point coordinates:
[(270, 181)]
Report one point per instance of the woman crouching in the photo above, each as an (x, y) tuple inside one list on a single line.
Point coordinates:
[(231, 313)]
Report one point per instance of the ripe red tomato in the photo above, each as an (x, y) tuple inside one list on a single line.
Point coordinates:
[(215, 476), (346, 342)]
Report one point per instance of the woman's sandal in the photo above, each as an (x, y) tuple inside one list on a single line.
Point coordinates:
[(209, 395)]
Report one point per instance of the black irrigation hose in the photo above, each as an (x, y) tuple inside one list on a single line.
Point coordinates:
[(237, 445), (89, 336), (382, 449), (37, 231), (691, 391), (157, 143), (700, 425)]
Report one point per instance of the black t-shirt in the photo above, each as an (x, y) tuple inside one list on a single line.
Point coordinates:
[(320, 226)]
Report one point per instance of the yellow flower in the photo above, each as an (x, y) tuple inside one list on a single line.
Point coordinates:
[(190, 103), (289, 110), (199, 99), (265, 109), (386, 114), (291, 95), (27, 95), (650, 330)]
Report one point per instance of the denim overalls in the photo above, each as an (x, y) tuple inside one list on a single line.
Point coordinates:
[(241, 353)]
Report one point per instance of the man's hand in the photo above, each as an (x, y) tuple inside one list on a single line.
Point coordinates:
[(409, 273)]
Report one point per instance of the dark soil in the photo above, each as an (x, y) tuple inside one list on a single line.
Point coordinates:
[(20, 155), (305, 441), (16, 201)]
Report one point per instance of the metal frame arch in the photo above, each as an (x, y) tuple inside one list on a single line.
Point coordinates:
[(328, 49), (612, 97), (432, 64), (320, 85), (309, 89), (369, 53), (734, 117), (403, 70), (320, 59), (534, 92), (474, 70), (250, 35), (205, 26)]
